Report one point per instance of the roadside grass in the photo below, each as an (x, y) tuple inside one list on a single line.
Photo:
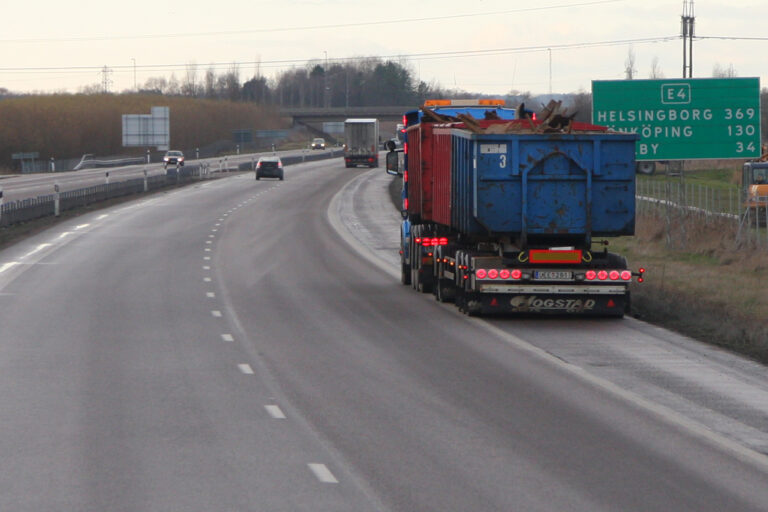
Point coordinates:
[(710, 290)]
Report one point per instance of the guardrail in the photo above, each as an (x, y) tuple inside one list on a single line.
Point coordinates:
[(15, 212)]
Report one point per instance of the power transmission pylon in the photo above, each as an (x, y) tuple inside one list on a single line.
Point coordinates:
[(687, 28), (106, 81)]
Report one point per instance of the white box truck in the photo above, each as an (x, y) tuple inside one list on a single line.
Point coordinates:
[(361, 142)]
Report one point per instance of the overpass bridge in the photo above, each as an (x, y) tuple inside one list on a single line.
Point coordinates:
[(313, 118), (318, 115)]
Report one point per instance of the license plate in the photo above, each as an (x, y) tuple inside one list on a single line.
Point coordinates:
[(552, 275)]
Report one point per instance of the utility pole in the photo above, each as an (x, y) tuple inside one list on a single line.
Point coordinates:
[(687, 31), (326, 91), (134, 75)]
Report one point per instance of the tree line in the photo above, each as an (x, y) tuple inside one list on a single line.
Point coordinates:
[(359, 83)]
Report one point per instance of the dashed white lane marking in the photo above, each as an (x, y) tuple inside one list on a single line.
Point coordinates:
[(207, 279), (65, 234), (81, 226), (206, 267), (207, 249), (275, 412), (211, 236), (102, 216), (207, 258), (227, 337), (246, 369), (210, 295), (323, 473), (216, 313), (208, 242), (36, 250), (8, 265)]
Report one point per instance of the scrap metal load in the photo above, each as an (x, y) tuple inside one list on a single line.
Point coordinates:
[(500, 214)]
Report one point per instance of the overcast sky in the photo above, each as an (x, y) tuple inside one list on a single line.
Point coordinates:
[(487, 46)]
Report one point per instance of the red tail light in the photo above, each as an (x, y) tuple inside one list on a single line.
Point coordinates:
[(443, 241), (614, 275), (626, 275), (405, 148), (481, 274), (591, 275), (493, 273), (517, 274), (504, 274), (602, 275)]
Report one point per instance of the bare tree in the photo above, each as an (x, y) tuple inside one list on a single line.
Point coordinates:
[(189, 85), (157, 84), (656, 72), (210, 83), (173, 88), (719, 71), (629, 64)]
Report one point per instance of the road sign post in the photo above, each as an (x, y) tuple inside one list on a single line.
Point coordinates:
[(683, 119)]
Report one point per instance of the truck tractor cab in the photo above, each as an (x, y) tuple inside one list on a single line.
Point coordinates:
[(417, 254)]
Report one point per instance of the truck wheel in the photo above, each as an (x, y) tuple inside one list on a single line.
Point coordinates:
[(445, 291), (647, 168), (405, 273)]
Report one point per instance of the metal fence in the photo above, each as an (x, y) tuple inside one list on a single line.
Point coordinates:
[(689, 210), (15, 212), (25, 210)]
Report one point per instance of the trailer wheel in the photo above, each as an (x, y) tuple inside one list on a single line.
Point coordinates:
[(445, 291), (422, 286), (405, 273)]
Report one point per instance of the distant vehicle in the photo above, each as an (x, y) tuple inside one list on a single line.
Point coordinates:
[(361, 142), (173, 158), (318, 143), (269, 167)]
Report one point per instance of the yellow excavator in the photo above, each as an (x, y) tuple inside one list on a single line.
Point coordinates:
[(754, 179)]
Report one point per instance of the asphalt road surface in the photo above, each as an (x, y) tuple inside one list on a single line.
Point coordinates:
[(224, 347)]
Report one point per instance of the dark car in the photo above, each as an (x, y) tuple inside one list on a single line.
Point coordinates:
[(173, 158), (269, 167)]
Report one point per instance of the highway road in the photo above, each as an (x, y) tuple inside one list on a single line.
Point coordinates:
[(20, 187), (243, 345)]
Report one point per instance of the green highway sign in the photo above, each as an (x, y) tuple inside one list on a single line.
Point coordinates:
[(683, 119)]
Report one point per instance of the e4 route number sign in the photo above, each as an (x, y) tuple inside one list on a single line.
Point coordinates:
[(683, 119)]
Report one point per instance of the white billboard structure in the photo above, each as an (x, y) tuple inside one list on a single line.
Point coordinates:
[(141, 130)]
